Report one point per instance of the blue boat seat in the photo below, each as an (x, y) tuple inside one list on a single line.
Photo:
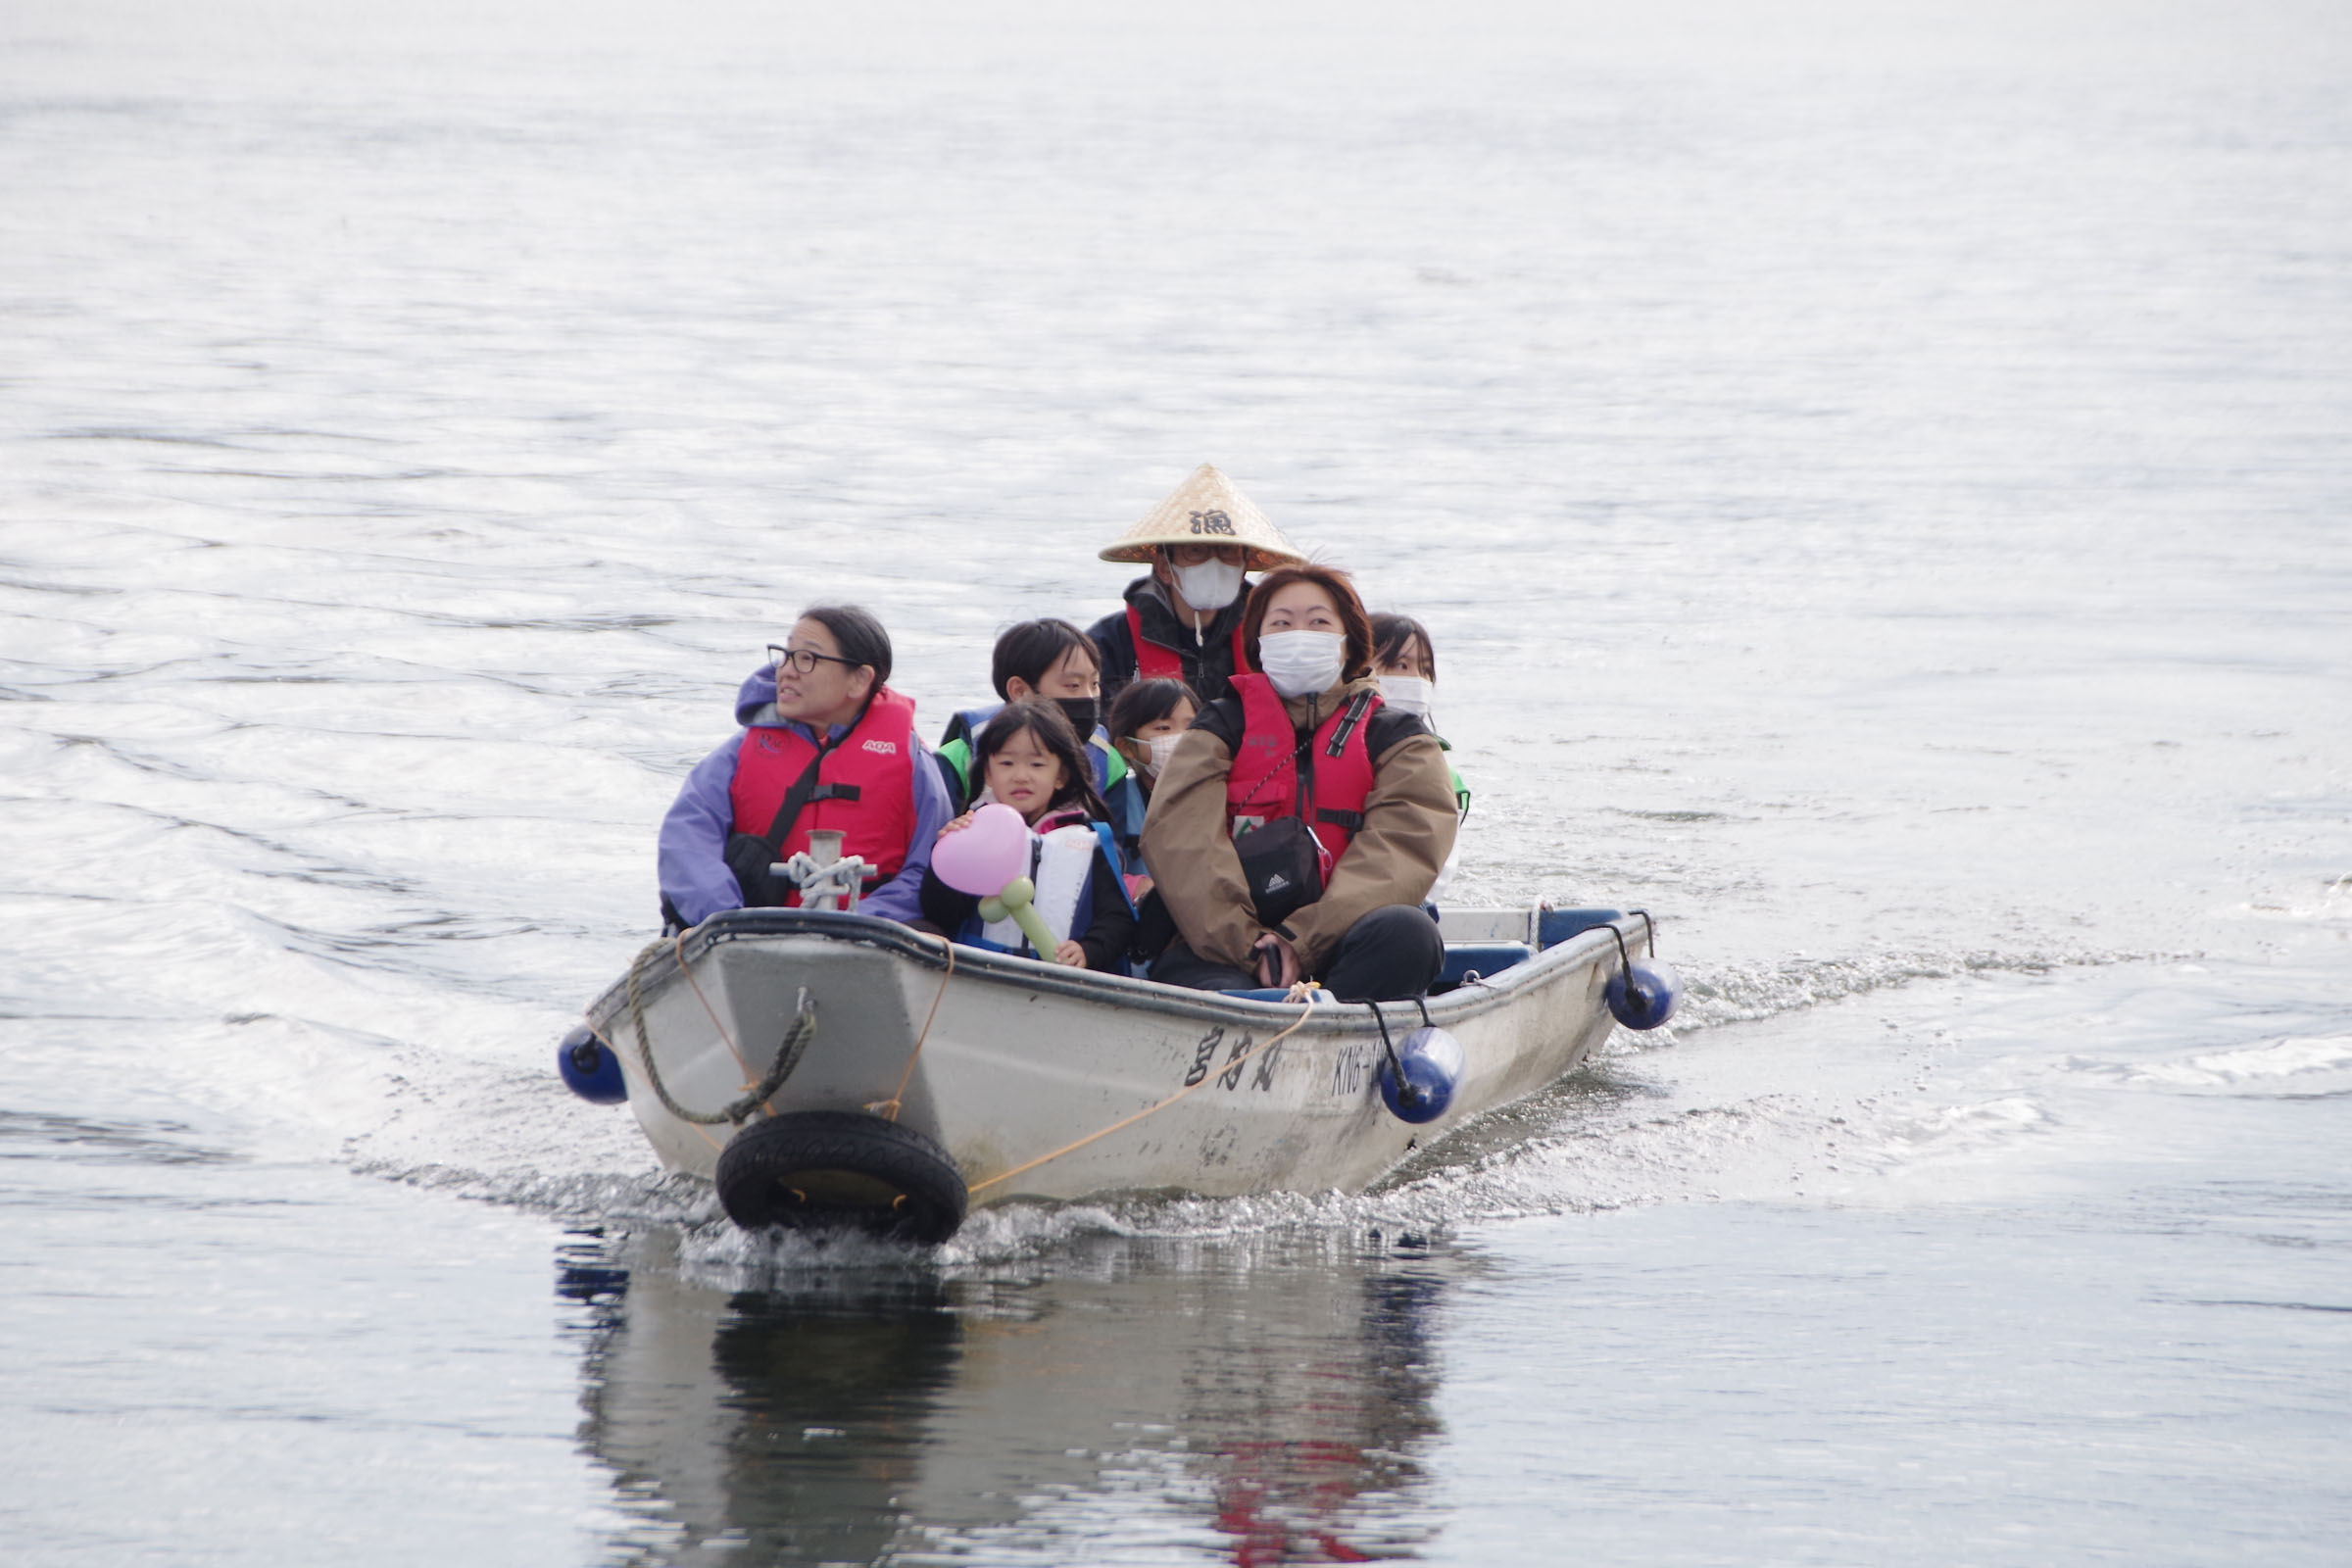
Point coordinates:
[(1486, 958), (1323, 998), (1555, 926)]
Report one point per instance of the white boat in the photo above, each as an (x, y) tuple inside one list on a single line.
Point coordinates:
[(926, 1077)]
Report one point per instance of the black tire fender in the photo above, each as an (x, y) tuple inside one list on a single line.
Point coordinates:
[(841, 1169)]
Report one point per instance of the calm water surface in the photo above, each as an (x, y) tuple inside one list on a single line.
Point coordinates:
[(1877, 478)]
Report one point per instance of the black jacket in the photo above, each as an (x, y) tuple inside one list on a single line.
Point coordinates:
[(1208, 662), (1105, 939)]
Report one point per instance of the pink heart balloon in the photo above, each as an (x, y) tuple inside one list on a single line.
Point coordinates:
[(986, 856)]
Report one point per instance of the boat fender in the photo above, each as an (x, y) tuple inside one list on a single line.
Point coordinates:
[(841, 1170), (589, 1070), (1643, 992), (1419, 1083)]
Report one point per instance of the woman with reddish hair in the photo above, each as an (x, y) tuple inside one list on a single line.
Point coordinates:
[(1297, 827)]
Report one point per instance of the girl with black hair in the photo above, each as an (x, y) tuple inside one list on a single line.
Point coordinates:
[(1145, 721), (1406, 663), (1029, 757)]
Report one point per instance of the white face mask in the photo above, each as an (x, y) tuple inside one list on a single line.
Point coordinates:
[(1162, 747), (1211, 585), (1408, 692), (1301, 664)]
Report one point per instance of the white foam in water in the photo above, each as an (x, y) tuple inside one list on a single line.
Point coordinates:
[(2297, 1066)]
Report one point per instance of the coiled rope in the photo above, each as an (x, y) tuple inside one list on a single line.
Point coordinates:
[(795, 1044), (1302, 990)]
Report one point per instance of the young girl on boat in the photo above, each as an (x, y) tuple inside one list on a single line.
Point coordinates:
[(1145, 721), (1029, 757), (1406, 663)]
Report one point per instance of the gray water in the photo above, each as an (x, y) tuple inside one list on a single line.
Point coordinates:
[(1878, 477)]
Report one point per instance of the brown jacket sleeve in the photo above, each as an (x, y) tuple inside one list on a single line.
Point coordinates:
[(1407, 833), (1191, 855)]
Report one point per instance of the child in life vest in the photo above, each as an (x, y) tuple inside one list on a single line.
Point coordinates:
[(1145, 719), (1029, 757), (1406, 663), (1054, 659)]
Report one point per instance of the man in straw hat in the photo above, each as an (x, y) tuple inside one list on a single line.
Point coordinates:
[(1185, 620)]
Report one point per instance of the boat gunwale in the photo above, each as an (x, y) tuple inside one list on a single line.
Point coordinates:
[(1461, 1004)]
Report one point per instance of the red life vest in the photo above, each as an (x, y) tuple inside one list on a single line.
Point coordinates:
[(866, 785), (1157, 662), (1263, 783)]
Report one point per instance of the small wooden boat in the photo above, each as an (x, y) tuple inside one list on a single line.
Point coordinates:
[(824, 1067)]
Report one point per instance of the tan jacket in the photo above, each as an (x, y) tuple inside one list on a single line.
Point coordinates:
[(1407, 833)]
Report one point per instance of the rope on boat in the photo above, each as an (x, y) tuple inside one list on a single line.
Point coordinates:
[(679, 947), (1302, 990), (1388, 1046), (887, 1109), (795, 1044)]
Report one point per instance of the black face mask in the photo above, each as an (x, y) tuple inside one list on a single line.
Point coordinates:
[(1085, 712)]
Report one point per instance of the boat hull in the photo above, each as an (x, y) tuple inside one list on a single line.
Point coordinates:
[(1022, 1067)]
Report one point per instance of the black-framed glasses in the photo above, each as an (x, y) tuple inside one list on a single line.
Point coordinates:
[(806, 659)]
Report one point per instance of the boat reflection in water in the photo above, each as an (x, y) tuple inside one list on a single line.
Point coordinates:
[(1257, 1400)]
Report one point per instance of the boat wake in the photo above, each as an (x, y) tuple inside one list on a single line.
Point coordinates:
[(1700, 1112), (1747, 993)]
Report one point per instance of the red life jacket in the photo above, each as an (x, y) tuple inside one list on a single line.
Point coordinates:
[(864, 786), (1157, 662), (1263, 783)]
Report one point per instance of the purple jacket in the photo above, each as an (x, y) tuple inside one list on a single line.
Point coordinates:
[(693, 858)]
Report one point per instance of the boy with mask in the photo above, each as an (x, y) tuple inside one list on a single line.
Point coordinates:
[(1054, 659), (1183, 622)]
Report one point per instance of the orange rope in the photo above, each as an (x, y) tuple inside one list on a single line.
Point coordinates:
[(1302, 990), (907, 1077), (748, 1077)]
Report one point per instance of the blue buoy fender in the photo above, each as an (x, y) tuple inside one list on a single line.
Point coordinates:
[(1419, 1081), (589, 1070), (1643, 994)]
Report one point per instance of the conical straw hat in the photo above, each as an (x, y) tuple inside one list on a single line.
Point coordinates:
[(1207, 509)]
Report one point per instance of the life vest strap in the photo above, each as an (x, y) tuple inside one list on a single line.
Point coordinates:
[(1348, 723), (1353, 821), (836, 792)]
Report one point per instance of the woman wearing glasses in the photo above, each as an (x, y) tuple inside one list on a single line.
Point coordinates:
[(1184, 622), (825, 744)]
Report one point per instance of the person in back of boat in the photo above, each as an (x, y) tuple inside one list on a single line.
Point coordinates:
[(827, 744), (1148, 719), (1406, 662), (1301, 822), (1054, 659), (1184, 621), (1028, 757)]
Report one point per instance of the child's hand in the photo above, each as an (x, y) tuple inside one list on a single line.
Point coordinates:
[(957, 826), (1071, 954)]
